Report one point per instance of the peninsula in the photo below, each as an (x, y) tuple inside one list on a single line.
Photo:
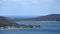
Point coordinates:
[(6, 23)]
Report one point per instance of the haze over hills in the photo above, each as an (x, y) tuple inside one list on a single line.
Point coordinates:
[(51, 17), (20, 17)]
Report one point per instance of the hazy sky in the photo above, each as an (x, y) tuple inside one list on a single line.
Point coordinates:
[(29, 7)]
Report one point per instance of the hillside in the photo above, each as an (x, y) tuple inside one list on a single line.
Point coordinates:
[(51, 17), (6, 22)]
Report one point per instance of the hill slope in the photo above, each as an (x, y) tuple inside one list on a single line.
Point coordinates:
[(51, 17), (6, 22)]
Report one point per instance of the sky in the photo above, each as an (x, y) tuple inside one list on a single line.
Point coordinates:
[(29, 7)]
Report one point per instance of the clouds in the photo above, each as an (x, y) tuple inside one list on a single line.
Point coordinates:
[(0, 2), (19, 1), (32, 1), (30, 7), (26, 1)]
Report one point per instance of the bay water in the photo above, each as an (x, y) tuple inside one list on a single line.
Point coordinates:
[(48, 27)]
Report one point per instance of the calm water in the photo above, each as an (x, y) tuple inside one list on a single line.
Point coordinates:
[(49, 27)]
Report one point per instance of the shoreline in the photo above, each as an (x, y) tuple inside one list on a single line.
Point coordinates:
[(16, 28)]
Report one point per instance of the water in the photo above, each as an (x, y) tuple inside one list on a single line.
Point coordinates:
[(49, 27)]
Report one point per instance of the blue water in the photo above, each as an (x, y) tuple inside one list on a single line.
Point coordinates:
[(49, 27)]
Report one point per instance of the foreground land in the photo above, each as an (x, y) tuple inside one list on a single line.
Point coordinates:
[(6, 23), (21, 26)]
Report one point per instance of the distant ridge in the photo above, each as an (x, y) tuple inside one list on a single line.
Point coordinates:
[(51, 17)]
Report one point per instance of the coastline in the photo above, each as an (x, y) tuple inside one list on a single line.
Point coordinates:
[(20, 27), (16, 28)]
